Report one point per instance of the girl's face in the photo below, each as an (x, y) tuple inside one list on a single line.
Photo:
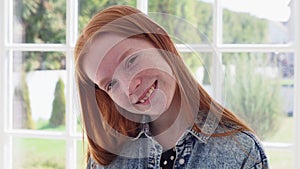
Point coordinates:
[(132, 72)]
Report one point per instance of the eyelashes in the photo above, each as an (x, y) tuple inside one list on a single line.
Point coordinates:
[(110, 85), (131, 60)]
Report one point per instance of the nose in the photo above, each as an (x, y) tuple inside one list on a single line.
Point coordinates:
[(134, 84)]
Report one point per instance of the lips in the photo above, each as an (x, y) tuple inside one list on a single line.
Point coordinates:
[(145, 97)]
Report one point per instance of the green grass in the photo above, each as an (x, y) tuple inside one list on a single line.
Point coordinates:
[(287, 81), (81, 155), (38, 153), (285, 131), (279, 159), (31, 153), (44, 125), (44, 154)]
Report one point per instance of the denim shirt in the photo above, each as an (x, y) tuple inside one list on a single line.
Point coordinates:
[(194, 150)]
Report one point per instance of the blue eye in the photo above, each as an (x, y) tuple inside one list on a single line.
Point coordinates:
[(110, 85), (131, 60)]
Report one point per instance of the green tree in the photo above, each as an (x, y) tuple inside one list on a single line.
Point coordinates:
[(252, 95), (22, 114), (43, 21), (243, 28), (44, 61), (88, 8), (188, 14), (58, 115)]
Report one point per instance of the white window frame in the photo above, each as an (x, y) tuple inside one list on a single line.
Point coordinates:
[(70, 136)]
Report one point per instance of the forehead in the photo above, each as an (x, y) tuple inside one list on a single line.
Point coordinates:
[(109, 46)]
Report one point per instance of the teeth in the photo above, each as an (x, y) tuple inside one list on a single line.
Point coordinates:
[(148, 94)]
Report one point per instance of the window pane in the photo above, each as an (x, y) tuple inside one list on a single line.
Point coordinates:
[(39, 21), (279, 159), (259, 88), (178, 16), (81, 154), (39, 80), (257, 22), (88, 8), (38, 153), (200, 66)]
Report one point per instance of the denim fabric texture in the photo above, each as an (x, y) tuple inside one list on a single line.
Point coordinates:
[(194, 151)]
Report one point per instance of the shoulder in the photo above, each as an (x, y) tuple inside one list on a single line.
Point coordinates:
[(242, 148), (92, 164), (254, 151), (229, 147)]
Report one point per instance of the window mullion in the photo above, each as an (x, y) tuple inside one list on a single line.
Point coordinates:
[(71, 33), (10, 11), (256, 48), (142, 5), (217, 23), (3, 136), (278, 145), (296, 15), (38, 47), (41, 134), (217, 74), (194, 48)]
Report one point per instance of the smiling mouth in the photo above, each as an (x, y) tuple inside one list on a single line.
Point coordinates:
[(145, 97)]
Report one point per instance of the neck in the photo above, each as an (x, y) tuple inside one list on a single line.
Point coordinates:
[(170, 126)]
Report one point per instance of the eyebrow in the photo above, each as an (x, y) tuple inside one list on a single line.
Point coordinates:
[(126, 53), (121, 58)]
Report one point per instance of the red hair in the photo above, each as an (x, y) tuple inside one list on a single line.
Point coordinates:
[(100, 107)]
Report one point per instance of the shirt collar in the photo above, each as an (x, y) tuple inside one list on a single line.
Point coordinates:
[(144, 129), (208, 123)]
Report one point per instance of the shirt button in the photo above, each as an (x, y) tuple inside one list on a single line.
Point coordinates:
[(181, 161)]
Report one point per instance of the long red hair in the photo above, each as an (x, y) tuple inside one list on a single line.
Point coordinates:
[(99, 112)]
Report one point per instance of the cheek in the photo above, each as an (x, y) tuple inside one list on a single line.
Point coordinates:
[(169, 85), (120, 99)]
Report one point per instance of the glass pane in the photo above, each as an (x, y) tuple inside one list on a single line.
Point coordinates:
[(79, 124), (200, 65), (39, 21), (81, 154), (32, 153), (39, 80), (88, 8), (279, 159), (257, 22), (259, 88), (183, 20)]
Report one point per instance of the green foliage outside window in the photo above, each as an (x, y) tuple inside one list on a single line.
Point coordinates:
[(42, 21), (253, 95), (58, 116), (243, 28), (23, 116), (88, 8)]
